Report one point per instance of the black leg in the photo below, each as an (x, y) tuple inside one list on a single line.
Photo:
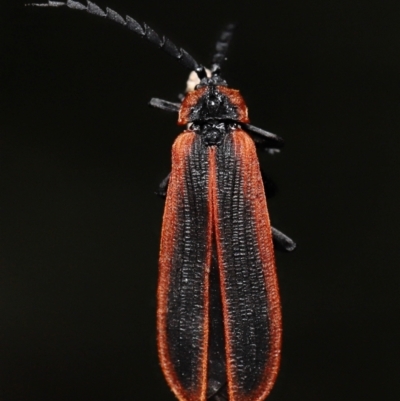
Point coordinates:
[(282, 241), (162, 188), (263, 139), (266, 145), (270, 187), (164, 105)]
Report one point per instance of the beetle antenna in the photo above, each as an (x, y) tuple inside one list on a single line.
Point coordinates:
[(221, 48), (144, 31), (201, 72)]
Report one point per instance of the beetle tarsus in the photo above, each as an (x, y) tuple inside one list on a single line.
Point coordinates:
[(162, 188), (270, 186), (261, 135), (282, 241), (164, 105)]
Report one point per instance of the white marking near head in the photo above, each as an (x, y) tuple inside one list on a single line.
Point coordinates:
[(193, 80)]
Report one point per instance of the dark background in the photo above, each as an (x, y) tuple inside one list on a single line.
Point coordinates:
[(81, 155)]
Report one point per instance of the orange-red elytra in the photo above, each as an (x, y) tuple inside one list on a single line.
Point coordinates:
[(215, 235), (218, 309)]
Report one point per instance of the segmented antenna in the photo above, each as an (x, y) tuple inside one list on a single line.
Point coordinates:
[(144, 31), (221, 48)]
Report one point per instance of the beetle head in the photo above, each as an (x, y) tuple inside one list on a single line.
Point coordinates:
[(212, 100)]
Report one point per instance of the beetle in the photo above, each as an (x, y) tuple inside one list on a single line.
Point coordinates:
[(218, 309)]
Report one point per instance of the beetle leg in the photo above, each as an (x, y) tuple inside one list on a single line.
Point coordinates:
[(164, 105), (162, 188), (266, 145), (263, 138), (282, 241), (270, 186)]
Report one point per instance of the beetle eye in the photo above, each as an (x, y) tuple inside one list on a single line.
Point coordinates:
[(213, 100)]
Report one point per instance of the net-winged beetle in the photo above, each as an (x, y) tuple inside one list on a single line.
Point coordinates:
[(218, 308)]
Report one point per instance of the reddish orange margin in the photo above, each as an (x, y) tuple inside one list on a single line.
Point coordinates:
[(176, 189), (254, 189)]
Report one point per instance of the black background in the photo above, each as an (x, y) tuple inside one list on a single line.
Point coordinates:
[(81, 155)]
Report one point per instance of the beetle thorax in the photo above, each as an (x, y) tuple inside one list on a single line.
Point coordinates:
[(213, 131), (213, 103)]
